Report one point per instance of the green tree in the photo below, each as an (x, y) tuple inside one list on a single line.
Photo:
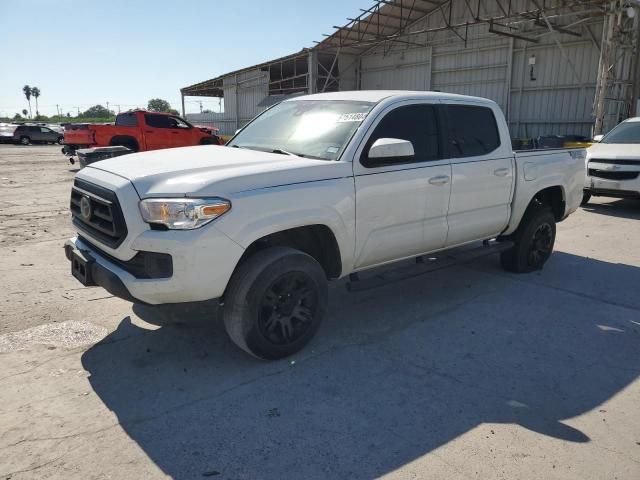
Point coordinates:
[(97, 111), (24, 112), (17, 117), (158, 105), (35, 91), (27, 93)]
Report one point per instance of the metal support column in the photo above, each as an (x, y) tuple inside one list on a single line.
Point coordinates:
[(312, 72), (184, 113)]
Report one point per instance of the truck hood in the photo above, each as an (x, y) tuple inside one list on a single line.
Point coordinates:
[(614, 151), (213, 170)]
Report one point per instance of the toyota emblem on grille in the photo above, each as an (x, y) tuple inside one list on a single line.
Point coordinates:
[(85, 208)]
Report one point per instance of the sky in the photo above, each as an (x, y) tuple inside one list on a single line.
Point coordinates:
[(85, 52)]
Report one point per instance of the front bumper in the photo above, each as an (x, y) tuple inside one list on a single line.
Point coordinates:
[(203, 261), (613, 188)]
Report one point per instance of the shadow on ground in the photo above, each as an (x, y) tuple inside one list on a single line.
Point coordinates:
[(623, 208), (394, 373)]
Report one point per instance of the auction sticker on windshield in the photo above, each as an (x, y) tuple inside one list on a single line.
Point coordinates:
[(352, 117)]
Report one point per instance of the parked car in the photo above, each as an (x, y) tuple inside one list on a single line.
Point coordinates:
[(26, 134), (317, 187), (138, 130), (6, 132), (613, 163)]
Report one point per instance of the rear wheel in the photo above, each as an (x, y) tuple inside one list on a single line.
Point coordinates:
[(208, 141), (534, 240), (60, 140), (275, 302), (24, 140)]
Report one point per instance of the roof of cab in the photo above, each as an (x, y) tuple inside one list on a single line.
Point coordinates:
[(376, 96)]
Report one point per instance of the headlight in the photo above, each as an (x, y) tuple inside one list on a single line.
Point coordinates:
[(183, 213)]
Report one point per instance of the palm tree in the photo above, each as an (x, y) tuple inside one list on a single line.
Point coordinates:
[(27, 93), (24, 112), (35, 91)]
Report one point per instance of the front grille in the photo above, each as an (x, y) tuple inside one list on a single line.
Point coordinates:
[(103, 220), (615, 162), (609, 175)]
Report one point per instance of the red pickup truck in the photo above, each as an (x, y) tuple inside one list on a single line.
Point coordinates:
[(138, 130)]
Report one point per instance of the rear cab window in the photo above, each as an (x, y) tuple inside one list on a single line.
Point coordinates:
[(471, 131)]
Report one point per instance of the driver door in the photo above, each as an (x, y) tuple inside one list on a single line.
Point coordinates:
[(401, 206)]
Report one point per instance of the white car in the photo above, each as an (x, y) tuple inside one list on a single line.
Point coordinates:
[(314, 189), (613, 163)]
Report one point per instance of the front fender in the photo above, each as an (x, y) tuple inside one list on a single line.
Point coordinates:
[(258, 213)]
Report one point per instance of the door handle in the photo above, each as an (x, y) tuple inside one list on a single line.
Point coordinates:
[(439, 180), (148, 131), (501, 172)]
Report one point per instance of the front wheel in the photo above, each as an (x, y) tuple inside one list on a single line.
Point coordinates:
[(60, 140), (25, 140), (534, 240), (275, 302), (586, 196)]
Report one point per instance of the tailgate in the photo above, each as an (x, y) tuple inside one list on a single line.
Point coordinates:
[(79, 135)]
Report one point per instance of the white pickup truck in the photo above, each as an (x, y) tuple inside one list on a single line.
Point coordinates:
[(314, 189)]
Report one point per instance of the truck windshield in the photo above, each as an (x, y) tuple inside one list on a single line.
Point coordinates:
[(628, 132), (307, 128)]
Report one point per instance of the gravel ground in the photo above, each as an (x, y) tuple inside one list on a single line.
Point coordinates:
[(469, 372)]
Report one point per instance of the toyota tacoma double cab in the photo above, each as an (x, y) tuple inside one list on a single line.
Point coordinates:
[(138, 130), (314, 189)]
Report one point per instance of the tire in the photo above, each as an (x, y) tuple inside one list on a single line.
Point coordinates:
[(208, 141), (60, 140), (25, 140), (275, 302), (586, 196), (534, 240)]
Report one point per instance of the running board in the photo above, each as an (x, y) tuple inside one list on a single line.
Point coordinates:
[(427, 264)]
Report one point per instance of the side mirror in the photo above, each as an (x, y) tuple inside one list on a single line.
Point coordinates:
[(391, 149), (597, 138)]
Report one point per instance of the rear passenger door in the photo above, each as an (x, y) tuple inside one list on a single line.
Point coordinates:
[(482, 172), (401, 205), (157, 131)]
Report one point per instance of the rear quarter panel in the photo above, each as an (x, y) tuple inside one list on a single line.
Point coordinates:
[(540, 169)]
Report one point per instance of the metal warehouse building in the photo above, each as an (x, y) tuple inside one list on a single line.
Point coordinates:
[(554, 67)]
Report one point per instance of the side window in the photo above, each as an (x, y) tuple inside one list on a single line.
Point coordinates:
[(157, 121), (471, 131), (416, 123), (127, 120), (177, 122), (45, 130)]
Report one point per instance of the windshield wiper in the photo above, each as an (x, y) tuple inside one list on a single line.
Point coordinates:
[(284, 152)]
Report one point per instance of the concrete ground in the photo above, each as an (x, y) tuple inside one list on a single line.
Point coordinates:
[(468, 372)]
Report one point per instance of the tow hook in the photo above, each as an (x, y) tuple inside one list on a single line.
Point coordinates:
[(71, 160)]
